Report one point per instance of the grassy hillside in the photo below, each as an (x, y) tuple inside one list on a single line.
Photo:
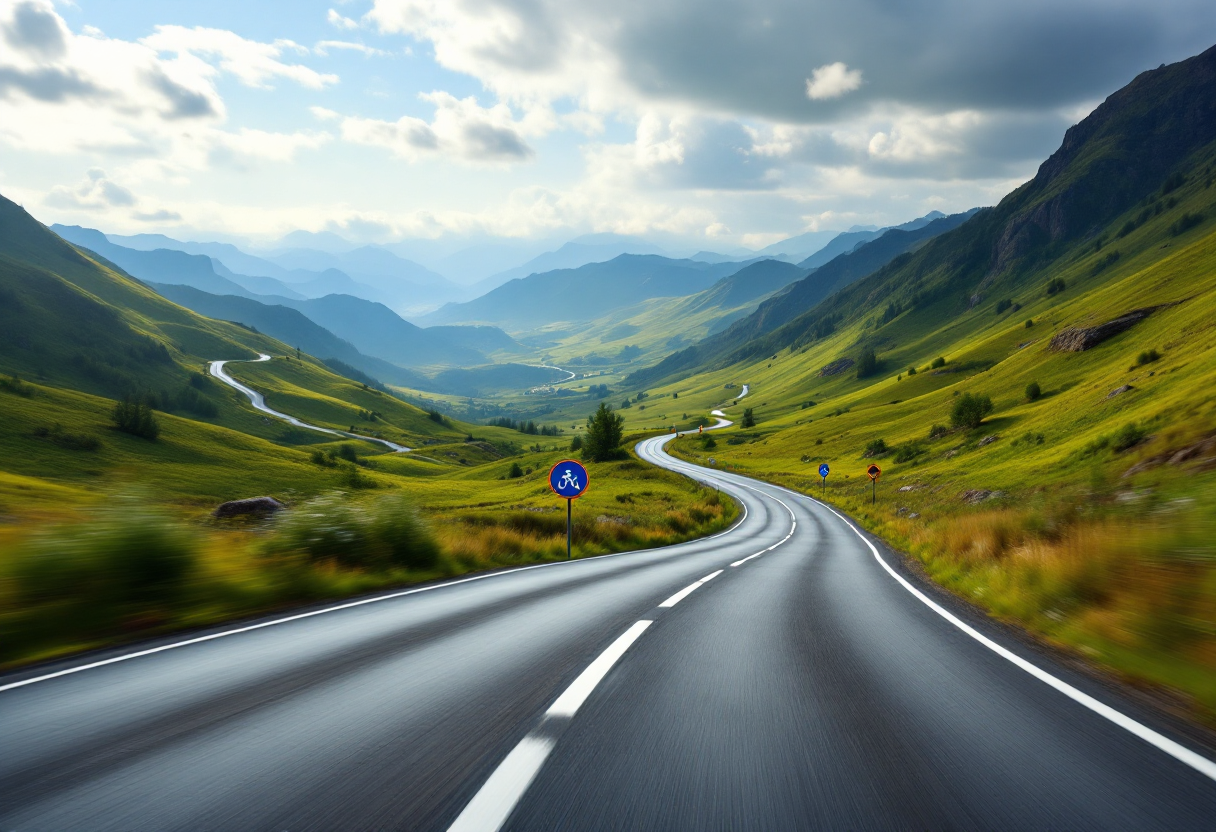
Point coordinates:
[(1080, 507)]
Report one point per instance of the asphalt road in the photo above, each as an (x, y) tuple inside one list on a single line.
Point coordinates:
[(259, 403), (777, 676)]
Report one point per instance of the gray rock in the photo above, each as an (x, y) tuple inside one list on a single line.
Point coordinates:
[(976, 495), (252, 505), (1118, 391), (988, 440)]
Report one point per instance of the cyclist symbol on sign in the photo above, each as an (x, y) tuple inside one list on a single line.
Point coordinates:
[(568, 480)]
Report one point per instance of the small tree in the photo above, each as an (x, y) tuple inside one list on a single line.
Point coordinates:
[(605, 430), (1033, 391), (576, 444), (937, 362), (708, 443), (867, 363), (969, 411), (515, 471), (133, 416), (749, 419)]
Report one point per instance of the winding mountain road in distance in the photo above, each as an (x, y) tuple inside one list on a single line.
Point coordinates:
[(784, 674), (259, 403)]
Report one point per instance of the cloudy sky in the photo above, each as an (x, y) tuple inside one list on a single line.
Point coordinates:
[(727, 122)]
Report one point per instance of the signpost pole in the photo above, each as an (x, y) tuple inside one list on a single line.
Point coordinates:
[(825, 486), (873, 490), (569, 525)]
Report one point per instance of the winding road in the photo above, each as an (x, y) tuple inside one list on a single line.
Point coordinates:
[(259, 403), (788, 673)]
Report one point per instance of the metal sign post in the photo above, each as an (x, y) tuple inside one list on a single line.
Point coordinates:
[(873, 472), (569, 480), (824, 470)]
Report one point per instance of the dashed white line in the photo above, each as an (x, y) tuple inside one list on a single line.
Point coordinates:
[(688, 590), (498, 796), (569, 702)]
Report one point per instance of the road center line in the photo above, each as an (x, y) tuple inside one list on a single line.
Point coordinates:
[(498, 796), (688, 590)]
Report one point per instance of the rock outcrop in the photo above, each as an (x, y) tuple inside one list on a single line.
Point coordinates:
[(253, 505)]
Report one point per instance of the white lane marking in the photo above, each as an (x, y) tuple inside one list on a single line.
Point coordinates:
[(688, 590), (489, 808), (494, 801), (569, 702), (793, 528), (1159, 741), (1178, 752)]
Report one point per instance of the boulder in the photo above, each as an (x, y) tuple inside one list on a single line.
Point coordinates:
[(976, 495), (1118, 391), (837, 367), (1079, 339), (988, 440), (252, 505)]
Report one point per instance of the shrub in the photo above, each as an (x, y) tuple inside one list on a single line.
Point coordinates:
[(1055, 286), (1033, 391), (876, 447), (911, 371), (909, 452), (14, 384), (1029, 323), (576, 444), (707, 442), (1127, 436), (1002, 305), (379, 536), (938, 431), (132, 415), (969, 411), (515, 472), (1185, 223), (1110, 259), (937, 363), (867, 363), (749, 419), (347, 451), (71, 441), (1128, 228), (1030, 438), (1148, 357), (127, 565), (436, 417)]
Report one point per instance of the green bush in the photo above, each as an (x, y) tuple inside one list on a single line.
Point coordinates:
[(1185, 223), (876, 447), (1033, 391), (1148, 357), (378, 536), (1055, 286), (909, 452), (707, 442), (937, 363), (938, 431), (1003, 305), (749, 419), (911, 371), (71, 441), (1029, 323), (132, 415), (127, 566), (969, 411), (867, 363), (515, 472), (576, 444), (14, 384), (1127, 436)]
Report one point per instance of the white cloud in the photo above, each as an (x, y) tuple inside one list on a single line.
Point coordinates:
[(832, 81), (323, 48), (254, 63), (95, 192), (151, 105), (461, 129), (338, 21)]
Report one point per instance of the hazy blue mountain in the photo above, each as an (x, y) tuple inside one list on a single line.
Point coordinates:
[(798, 248), (585, 292), (160, 265), (750, 283), (289, 326), (231, 257), (484, 339), (849, 240), (478, 381), (590, 248)]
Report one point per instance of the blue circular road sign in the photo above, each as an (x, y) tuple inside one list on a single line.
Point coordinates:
[(824, 470), (568, 479)]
